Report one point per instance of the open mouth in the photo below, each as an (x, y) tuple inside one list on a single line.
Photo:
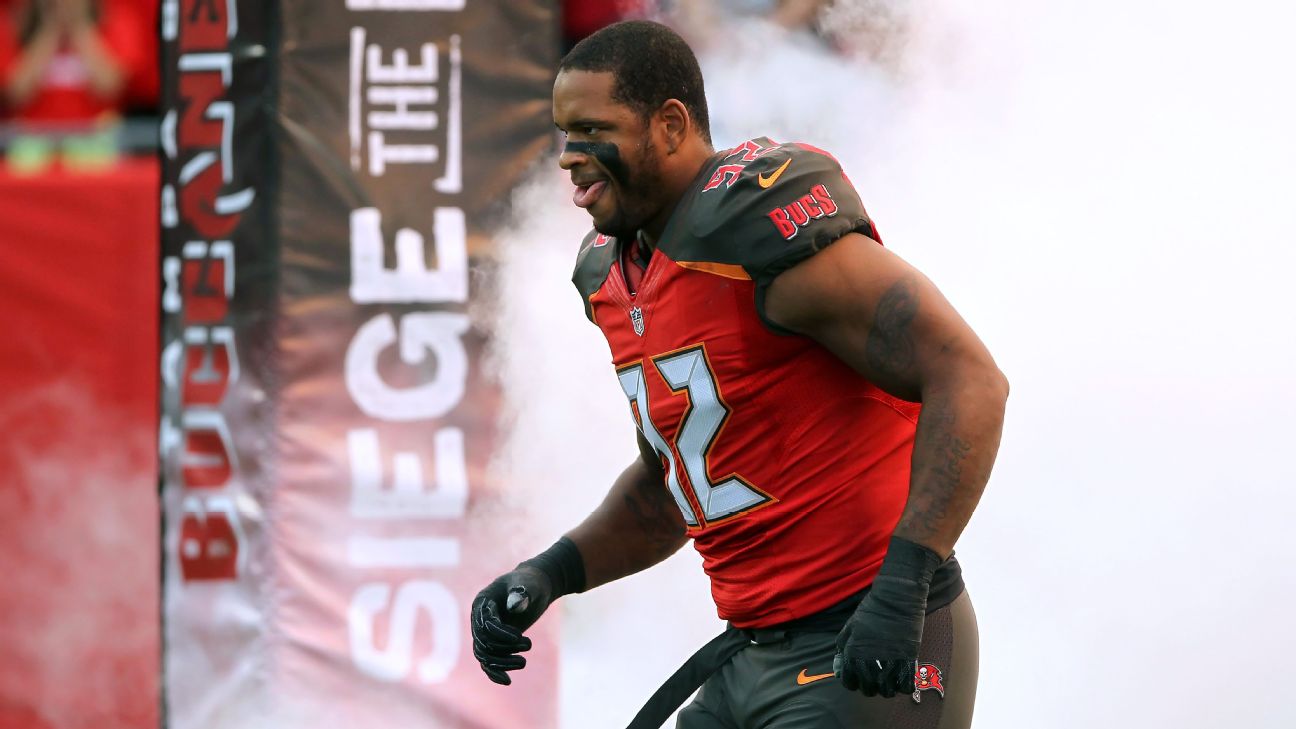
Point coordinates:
[(587, 195)]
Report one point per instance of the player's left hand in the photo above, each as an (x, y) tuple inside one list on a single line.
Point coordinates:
[(877, 651)]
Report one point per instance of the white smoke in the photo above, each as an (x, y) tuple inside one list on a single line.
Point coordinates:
[(1101, 189), (79, 564)]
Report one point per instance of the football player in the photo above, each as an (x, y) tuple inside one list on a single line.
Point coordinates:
[(811, 413)]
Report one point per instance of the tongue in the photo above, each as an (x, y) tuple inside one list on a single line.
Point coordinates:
[(586, 195)]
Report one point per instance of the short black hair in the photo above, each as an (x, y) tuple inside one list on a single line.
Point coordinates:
[(650, 64)]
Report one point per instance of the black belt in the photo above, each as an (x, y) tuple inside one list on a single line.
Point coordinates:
[(689, 677), (947, 585)]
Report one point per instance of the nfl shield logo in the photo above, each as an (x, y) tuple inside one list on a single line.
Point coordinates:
[(636, 318)]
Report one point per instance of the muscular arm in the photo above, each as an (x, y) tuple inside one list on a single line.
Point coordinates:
[(24, 81), (887, 321), (636, 526), (103, 70)]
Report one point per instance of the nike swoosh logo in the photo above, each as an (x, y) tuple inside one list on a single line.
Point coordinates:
[(765, 181), (802, 679)]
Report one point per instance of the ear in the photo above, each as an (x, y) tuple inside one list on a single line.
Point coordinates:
[(674, 121)]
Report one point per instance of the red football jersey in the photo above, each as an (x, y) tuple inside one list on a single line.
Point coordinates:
[(790, 468)]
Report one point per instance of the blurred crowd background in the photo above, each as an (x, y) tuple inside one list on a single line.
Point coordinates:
[(80, 82), (851, 28), (81, 77)]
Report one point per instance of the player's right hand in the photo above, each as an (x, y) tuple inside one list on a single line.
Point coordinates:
[(498, 630)]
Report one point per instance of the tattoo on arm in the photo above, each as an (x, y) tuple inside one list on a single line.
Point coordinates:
[(939, 454), (889, 350), (656, 516), (962, 411)]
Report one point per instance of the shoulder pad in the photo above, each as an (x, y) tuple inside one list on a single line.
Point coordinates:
[(781, 206), (593, 263), (766, 207)]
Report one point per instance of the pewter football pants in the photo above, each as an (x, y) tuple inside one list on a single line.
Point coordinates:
[(785, 681)]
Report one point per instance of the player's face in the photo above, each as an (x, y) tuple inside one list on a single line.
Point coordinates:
[(609, 152)]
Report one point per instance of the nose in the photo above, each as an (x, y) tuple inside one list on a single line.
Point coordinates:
[(569, 159)]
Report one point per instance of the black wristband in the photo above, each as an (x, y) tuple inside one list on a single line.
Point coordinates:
[(563, 564), (910, 561)]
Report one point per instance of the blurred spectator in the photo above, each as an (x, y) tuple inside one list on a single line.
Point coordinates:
[(582, 17), (877, 30), (791, 14), (69, 60), (697, 20)]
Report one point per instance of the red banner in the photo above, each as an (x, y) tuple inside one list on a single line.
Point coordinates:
[(78, 510)]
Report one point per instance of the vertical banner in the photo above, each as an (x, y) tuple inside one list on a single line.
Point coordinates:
[(405, 123), (217, 401), (327, 424)]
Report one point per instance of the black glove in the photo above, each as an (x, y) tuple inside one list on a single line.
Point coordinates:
[(877, 651), (515, 601)]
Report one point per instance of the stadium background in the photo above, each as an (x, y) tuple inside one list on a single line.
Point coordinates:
[(1100, 187)]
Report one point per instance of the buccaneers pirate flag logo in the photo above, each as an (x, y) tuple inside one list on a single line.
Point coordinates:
[(927, 677)]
